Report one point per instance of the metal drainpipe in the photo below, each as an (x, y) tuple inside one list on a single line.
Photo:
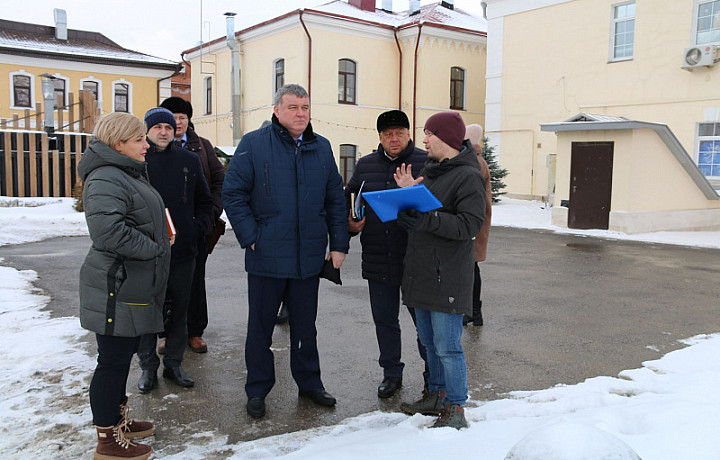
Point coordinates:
[(236, 100), (417, 45), (309, 88), (397, 42)]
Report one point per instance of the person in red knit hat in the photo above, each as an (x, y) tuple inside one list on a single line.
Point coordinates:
[(438, 276)]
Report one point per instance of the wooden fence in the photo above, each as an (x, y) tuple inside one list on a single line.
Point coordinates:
[(81, 115), (34, 163)]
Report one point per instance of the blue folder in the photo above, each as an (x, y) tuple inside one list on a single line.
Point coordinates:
[(387, 203)]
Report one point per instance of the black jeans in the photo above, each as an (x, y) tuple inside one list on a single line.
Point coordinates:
[(107, 387), (477, 285), (178, 291), (264, 297), (197, 315), (385, 306)]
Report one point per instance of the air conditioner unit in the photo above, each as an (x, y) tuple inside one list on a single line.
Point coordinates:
[(698, 56)]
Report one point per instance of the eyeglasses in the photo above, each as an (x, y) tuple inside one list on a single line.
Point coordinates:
[(181, 118)]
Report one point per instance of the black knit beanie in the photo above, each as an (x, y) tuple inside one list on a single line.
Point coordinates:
[(159, 115)]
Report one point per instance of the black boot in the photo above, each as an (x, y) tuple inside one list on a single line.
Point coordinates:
[(477, 314), (476, 317)]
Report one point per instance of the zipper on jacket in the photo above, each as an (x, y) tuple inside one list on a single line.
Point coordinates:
[(437, 265), (185, 186), (155, 271), (267, 180)]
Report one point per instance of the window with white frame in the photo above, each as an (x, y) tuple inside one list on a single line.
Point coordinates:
[(457, 88), (348, 154), (61, 90), (94, 86), (22, 89), (709, 149), (279, 74), (622, 31), (122, 97), (707, 26), (347, 78), (208, 95)]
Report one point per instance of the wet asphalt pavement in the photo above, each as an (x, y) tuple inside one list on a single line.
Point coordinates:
[(558, 309)]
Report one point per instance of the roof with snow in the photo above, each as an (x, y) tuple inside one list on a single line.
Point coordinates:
[(34, 40), (434, 14)]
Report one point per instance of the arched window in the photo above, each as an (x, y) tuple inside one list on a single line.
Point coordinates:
[(347, 78), (457, 88), (22, 84), (348, 154), (279, 74), (122, 96), (208, 95)]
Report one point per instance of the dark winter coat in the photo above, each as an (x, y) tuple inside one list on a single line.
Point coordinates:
[(383, 244), (439, 260), (177, 174), (123, 277), (285, 199), (212, 167)]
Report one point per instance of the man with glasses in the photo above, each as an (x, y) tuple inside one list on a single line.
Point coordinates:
[(383, 243), (186, 137)]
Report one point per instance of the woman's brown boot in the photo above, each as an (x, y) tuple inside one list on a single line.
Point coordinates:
[(133, 428), (113, 445)]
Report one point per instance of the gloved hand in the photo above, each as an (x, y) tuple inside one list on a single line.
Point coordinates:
[(410, 219)]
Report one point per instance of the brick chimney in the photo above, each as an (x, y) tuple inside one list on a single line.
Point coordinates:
[(365, 5), (61, 31), (414, 7), (449, 4)]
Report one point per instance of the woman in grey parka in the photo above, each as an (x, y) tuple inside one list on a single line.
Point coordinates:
[(123, 277)]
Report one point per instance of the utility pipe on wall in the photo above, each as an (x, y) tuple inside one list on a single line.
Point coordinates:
[(417, 45), (236, 100), (400, 65), (309, 78)]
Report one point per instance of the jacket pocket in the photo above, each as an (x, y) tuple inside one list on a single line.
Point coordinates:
[(267, 179), (436, 265), (139, 284)]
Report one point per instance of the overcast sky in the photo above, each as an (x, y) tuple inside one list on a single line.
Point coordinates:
[(167, 28)]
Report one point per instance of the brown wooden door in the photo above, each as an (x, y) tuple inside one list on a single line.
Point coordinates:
[(590, 184)]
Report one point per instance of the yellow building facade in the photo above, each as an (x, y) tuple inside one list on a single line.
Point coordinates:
[(121, 79), (355, 61), (568, 73)]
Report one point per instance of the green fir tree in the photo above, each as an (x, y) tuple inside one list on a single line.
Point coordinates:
[(496, 172)]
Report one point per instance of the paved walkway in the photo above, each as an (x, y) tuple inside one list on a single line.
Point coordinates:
[(558, 309)]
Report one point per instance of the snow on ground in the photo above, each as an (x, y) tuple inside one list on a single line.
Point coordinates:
[(665, 409)]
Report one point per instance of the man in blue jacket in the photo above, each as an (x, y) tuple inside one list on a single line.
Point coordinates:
[(283, 196), (384, 243)]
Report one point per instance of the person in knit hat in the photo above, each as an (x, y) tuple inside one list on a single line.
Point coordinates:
[(177, 175), (437, 279), (474, 133), (214, 171)]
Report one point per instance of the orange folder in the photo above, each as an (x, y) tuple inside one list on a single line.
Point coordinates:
[(170, 225)]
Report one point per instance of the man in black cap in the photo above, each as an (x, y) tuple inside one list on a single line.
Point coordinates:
[(383, 244), (186, 137)]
